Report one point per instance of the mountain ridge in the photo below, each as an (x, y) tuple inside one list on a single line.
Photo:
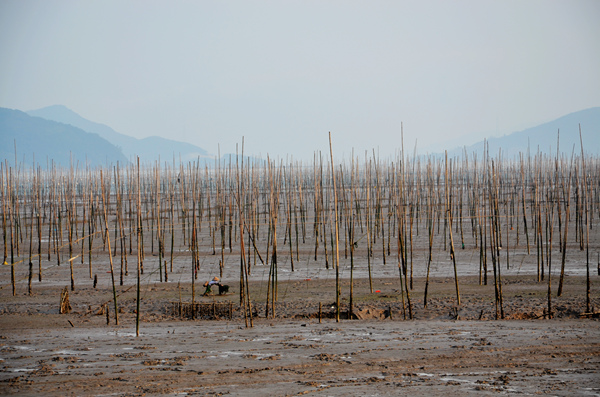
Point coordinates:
[(123, 148), (41, 139), (148, 149), (544, 137)]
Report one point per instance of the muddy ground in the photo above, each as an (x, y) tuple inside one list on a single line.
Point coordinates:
[(444, 350)]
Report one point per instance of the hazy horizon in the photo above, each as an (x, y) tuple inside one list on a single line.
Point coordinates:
[(284, 74)]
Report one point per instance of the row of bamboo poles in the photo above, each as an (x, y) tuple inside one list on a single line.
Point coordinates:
[(256, 209)]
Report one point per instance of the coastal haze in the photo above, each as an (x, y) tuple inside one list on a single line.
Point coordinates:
[(415, 212), (282, 75), (57, 135)]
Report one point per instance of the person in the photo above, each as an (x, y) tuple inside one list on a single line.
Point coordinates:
[(209, 284)]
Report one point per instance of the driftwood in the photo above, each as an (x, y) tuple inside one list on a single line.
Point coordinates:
[(590, 315), (65, 306)]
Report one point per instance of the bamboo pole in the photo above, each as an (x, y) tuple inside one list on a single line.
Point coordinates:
[(452, 253), (107, 234), (139, 251), (337, 247)]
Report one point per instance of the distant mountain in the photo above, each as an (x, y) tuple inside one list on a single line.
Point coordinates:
[(148, 149), (545, 137), (50, 140)]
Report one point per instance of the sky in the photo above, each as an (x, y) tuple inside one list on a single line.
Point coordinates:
[(281, 75)]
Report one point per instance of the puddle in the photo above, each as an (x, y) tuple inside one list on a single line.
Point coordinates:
[(120, 333), (67, 352), (21, 347), (225, 354), (451, 379)]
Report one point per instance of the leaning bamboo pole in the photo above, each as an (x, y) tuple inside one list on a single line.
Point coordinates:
[(247, 303), (567, 200), (159, 236), (107, 234), (139, 251), (39, 222), (368, 220), (350, 220), (587, 227), (430, 227), (337, 237), (452, 253), (4, 211)]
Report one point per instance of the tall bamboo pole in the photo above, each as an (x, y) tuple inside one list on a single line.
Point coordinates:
[(139, 250), (452, 253), (107, 234), (337, 237)]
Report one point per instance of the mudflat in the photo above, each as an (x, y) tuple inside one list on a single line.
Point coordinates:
[(445, 349)]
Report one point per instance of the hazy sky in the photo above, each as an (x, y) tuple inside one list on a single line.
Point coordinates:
[(284, 73)]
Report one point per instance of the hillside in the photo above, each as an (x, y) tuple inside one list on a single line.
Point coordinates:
[(48, 140), (148, 149), (544, 137)]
